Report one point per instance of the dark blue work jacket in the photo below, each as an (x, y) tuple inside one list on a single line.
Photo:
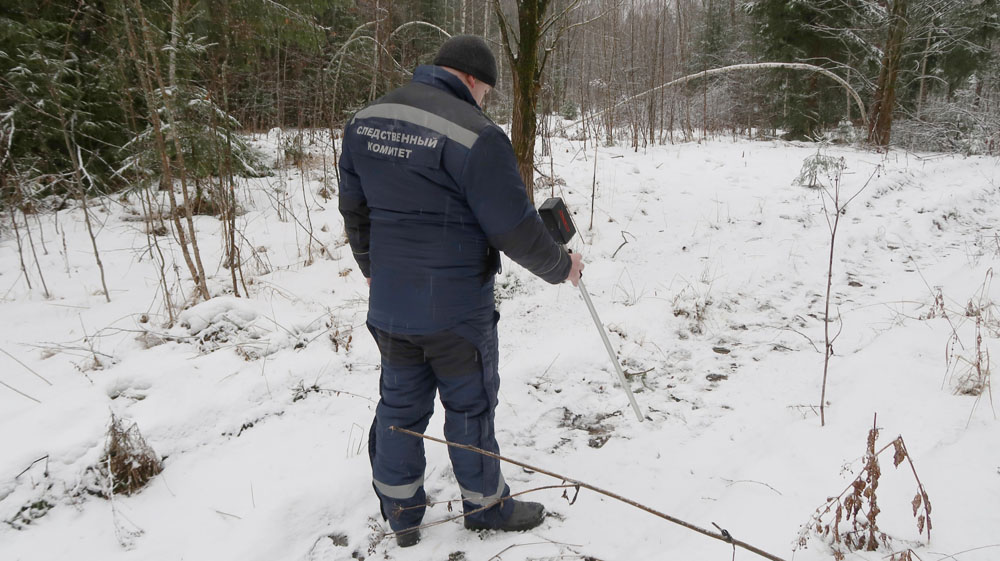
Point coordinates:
[(429, 191)]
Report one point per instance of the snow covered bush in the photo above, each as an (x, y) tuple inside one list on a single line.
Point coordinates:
[(128, 463), (962, 124), (226, 322), (819, 170)]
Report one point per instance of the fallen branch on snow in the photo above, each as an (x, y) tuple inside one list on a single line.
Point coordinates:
[(722, 535)]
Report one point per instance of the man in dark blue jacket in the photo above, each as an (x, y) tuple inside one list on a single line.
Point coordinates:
[(430, 192)]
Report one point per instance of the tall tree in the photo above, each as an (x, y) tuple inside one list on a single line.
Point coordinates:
[(527, 53), (798, 32), (884, 102)]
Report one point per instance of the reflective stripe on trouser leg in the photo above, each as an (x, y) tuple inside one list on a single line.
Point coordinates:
[(407, 401), (481, 500), (406, 491), (470, 402)]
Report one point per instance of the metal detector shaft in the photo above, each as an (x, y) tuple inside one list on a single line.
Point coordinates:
[(611, 352)]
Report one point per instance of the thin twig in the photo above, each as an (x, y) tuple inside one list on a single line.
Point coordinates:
[(920, 485), (227, 514), (5, 384), (494, 503), (722, 536), (14, 358), (623, 243), (463, 514), (731, 482), (954, 555), (45, 457), (510, 547), (338, 392)]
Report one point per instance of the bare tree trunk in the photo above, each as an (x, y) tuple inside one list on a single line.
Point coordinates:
[(377, 55), (20, 248), (228, 190), (172, 57), (74, 155), (527, 68), (34, 254), (155, 252), (880, 121), (922, 96), (152, 209), (158, 136), (181, 167), (526, 74)]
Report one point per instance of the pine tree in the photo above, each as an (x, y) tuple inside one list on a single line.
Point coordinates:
[(56, 76)]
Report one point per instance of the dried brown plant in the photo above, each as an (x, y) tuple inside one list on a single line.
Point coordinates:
[(967, 365), (128, 463), (850, 520)]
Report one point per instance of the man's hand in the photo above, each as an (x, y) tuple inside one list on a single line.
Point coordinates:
[(576, 270)]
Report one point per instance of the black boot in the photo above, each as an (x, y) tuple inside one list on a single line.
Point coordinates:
[(408, 538), (524, 516)]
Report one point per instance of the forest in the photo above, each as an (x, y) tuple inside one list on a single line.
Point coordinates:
[(787, 210), (96, 96)]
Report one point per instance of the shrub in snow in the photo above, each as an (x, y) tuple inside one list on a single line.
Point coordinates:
[(850, 520), (819, 170), (967, 353), (128, 463), (225, 322), (568, 111), (694, 305), (970, 364), (29, 513), (845, 133), (962, 124)]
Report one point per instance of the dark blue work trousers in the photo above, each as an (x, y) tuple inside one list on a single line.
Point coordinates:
[(461, 364)]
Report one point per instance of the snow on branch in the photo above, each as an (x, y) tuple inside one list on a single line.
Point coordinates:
[(752, 66)]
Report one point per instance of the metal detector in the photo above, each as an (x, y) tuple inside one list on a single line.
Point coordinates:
[(560, 226)]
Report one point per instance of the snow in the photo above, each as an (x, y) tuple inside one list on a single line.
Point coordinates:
[(706, 263)]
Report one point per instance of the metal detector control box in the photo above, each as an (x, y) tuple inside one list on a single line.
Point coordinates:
[(557, 220)]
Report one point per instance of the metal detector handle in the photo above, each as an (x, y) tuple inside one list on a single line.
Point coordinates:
[(570, 251), (611, 352), (607, 345)]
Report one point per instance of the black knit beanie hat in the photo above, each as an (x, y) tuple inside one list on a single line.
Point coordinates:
[(469, 54)]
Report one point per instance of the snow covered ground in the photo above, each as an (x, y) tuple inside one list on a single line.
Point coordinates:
[(706, 262)]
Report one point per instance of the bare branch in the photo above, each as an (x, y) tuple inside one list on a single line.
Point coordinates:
[(506, 31), (409, 23), (721, 536), (14, 358), (562, 31), (785, 65), (554, 18), (6, 385)]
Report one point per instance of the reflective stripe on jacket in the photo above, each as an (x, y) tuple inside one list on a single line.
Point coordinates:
[(429, 187)]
